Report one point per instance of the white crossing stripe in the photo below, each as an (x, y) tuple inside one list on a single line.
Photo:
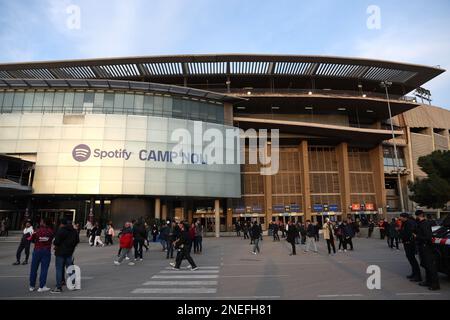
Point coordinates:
[(175, 290), (178, 282), (190, 272), (181, 283), (200, 276), (200, 268)]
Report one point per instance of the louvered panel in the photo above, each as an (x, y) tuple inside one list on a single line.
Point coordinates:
[(5, 75), (440, 142), (422, 145)]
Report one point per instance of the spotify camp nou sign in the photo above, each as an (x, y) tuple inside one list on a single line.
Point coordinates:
[(83, 152)]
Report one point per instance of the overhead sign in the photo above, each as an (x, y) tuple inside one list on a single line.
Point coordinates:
[(333, 208), (278, 208), (318, 208), (356, 207)]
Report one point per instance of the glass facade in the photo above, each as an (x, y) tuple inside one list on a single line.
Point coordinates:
[(389, 157), (109, 102)]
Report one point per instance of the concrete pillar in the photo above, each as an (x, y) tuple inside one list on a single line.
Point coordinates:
[(376, 157), (164, 212), (268, 187), (217, 217), (344, 177), (158, 208), (306, 188)]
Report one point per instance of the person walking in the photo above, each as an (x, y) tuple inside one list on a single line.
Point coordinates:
[(275, 229), (328, 235), (42, 255), (125, 243), (88, 228), (381, 226), (283, 230), (237, 227), (110, 233), (371, 228), (182, 244), (164, 235), (245, 230), (139, 234), (316, 231), (339, 232), (424, 243), (297, 236), (407, 236), (393, 234), (65, 242), (5, 227), (155, 232), (198, 239), (95, 234), (171, 239), (310, 236), (25, 243), (303, 234), (348, 234), (191, 231), (256, 236), (292, 234)]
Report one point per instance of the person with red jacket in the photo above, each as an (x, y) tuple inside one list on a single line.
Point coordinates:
[(42, 255), (126, 243)]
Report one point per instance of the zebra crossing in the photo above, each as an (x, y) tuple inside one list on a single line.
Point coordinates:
[(205, 280)]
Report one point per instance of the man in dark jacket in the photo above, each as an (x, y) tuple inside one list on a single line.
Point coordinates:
[(424, 243), (183, 245), (292, 233), (406, 234), (275, 228), (139, 235), (310, 236), (371, 227), (164, 235), (172, 236), (256, 236), (65, 242), (348, 234), (393, 234)]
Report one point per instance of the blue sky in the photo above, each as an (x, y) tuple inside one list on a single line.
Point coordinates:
[(411, 31)]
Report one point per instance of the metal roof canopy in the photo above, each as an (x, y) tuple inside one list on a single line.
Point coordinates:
[(410, 76), (115, 85)]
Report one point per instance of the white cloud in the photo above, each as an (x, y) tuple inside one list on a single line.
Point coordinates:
[(121, 28), (412, 45)]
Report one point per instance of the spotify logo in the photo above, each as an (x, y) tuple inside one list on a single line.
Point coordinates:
[(81, 153)]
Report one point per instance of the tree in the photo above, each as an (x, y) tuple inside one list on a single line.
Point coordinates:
[(433, 191)]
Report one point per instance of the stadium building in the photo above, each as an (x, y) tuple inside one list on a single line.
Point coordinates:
[(91, 138)]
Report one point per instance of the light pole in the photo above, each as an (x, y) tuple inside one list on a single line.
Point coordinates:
[(386, 85)]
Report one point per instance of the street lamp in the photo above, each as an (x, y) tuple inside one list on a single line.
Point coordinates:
[(386, 85)]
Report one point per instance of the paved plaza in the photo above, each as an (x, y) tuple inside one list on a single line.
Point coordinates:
[(228, 270)]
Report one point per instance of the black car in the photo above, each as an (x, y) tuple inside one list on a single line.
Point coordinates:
[(441, 241)]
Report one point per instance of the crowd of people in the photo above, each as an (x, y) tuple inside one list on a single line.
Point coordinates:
[(416, 236), (181, 238), (174, 237)]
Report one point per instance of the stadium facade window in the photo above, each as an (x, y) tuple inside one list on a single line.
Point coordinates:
[(109, 102)]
